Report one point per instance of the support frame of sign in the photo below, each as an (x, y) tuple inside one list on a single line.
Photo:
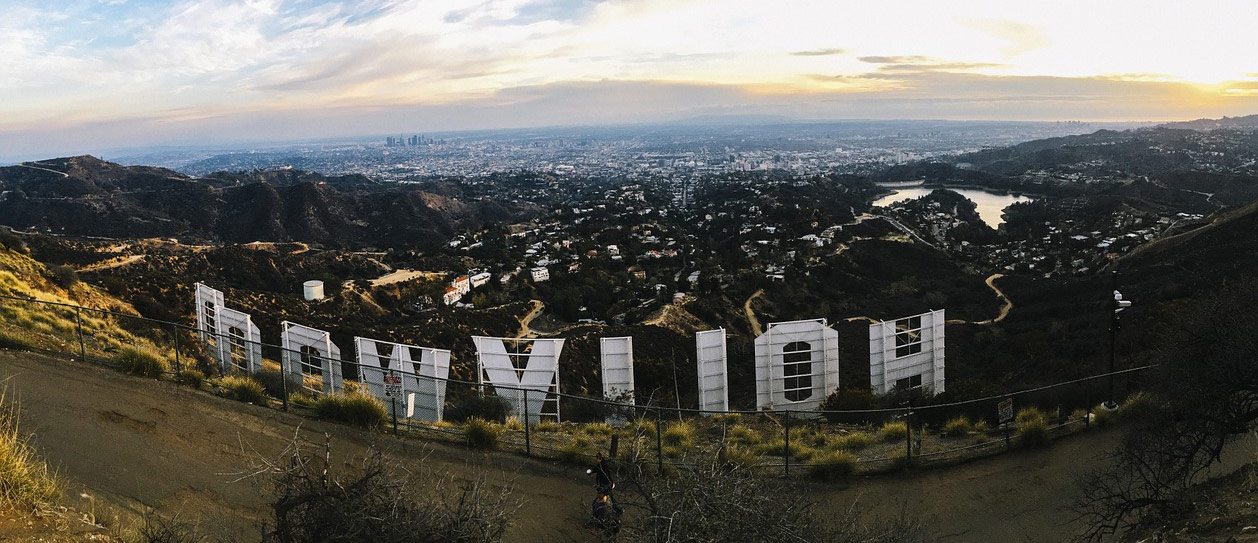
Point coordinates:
[(712, 362), (910, 351), (307, 349), (532, 388), (616, 357), (797, 365), (424, 378)]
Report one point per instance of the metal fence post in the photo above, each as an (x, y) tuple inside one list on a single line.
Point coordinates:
[(393, 401), (284, 378), (659, 444), (78, 319), (528, 444), (787, 453), (908, 438), (174, 336)]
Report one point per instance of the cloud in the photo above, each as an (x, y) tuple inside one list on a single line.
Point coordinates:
[(892, 69), (819, 52), (1020, 37), (475, 63), (909, 59), (892, 65)]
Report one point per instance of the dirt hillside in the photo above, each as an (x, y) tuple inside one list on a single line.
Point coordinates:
[(136, 445)]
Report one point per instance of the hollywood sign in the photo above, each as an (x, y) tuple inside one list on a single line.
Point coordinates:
[(796, 363)]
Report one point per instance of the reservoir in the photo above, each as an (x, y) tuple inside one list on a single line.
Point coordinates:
[(990, 204)]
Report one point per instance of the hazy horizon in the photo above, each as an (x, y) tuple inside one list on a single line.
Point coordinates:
[(93, 74)]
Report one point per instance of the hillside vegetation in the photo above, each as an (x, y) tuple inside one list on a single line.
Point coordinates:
[(28, 323), (96, 198)]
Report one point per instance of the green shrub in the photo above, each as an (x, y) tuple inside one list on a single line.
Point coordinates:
[(811, 437), (272, 380), (11, 241), (598, 429), (854, 441), (481, 433), (356, 409), (734, 456), (981, 427), (302, 399), (742, 434), (1033, 432), (679, 435), (1029, 414), (727, 418), (141, 362), (244, 389), (63, 276), (547, 426), (958, 427), (10, 341), (832, 466), (1136, 406), (893, 431), (777, 447), (578, 450), (644, 427), (190, 377), (1103, 416), (471, 405)]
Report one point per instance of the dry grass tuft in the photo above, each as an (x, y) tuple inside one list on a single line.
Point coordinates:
[(25, 480)]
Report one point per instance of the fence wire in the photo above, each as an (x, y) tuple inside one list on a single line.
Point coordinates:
[(817, 442)]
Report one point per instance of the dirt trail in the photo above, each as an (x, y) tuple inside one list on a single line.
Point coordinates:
[(142, 444), (32, 166), (398, 276), (751, 314), (991, 283), (113, 263), (528, 318), (1004, 310)]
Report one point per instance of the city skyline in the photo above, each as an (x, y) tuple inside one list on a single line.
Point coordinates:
[(94, 73)]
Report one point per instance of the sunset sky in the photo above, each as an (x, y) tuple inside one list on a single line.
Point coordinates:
[(99, 73)]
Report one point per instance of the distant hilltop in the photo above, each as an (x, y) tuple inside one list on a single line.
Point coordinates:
[(84, 195), (1248, 122)]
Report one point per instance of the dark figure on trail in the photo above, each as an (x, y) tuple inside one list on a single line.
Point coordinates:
[(605, 509), (603, 481)]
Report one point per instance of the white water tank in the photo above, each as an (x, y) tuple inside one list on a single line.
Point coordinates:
[(313, 290)]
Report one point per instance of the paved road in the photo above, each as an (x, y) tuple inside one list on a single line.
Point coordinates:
[(140, 444)]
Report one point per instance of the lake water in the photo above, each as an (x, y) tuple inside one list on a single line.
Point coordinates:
[(990, 204)]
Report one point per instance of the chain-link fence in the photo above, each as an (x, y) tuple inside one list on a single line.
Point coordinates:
[(542, 421)]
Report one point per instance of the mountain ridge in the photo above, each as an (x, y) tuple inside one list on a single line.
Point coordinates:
[(87, 196)]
